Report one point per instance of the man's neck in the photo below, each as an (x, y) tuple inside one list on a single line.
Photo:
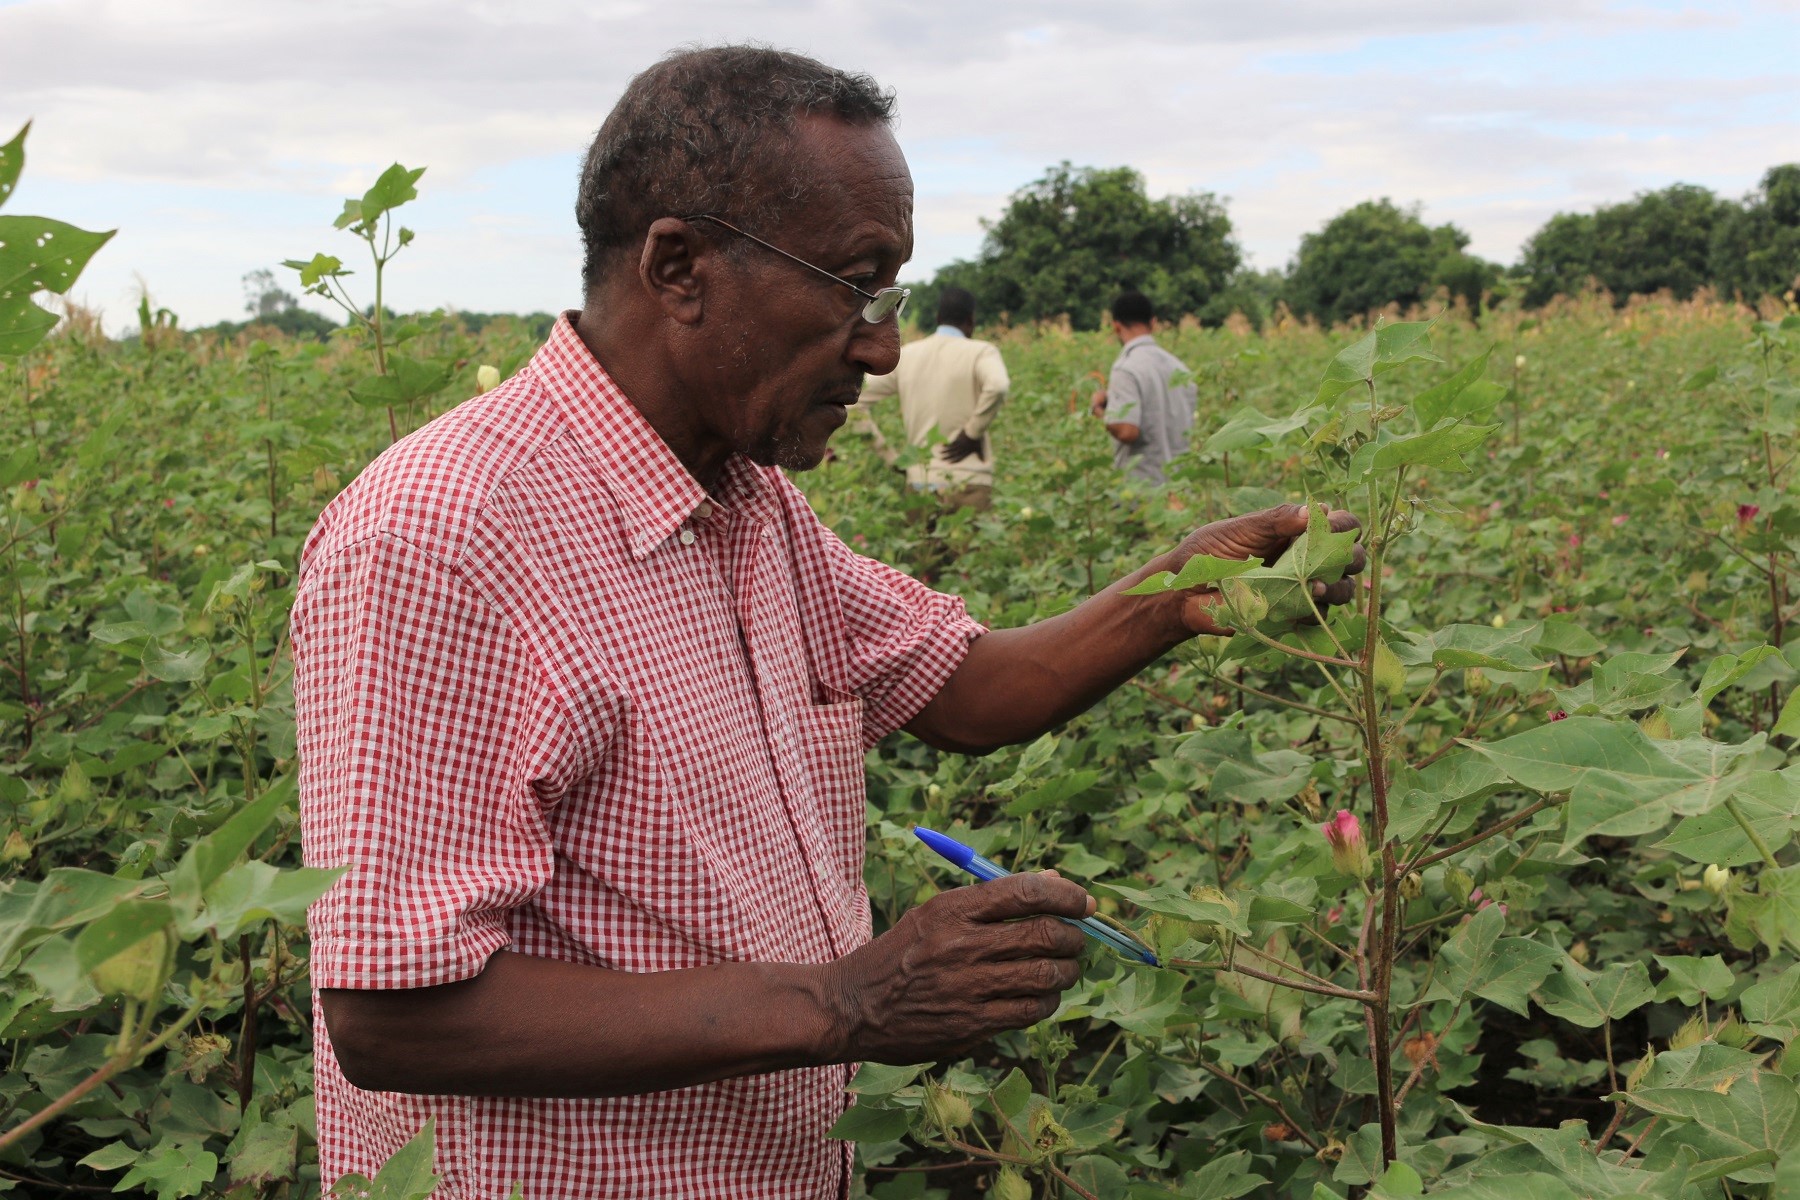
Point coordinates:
[(1132, 333), (655, 393)]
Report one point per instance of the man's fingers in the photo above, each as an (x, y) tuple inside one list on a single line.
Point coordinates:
[(1037, 937), (1342, 521), (1026, 895)]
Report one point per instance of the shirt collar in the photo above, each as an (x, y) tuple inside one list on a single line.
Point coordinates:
[(656, 492), (1140, 340), (950, 331)]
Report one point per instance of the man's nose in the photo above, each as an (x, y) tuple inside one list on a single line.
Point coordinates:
[(875, 348)]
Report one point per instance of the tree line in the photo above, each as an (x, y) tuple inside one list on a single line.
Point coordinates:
[(1068, 242)]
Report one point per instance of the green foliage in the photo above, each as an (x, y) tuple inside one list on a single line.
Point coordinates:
[(1661, 239), (37, 254), (1756, 246), (1376, 254), (1069, 242)]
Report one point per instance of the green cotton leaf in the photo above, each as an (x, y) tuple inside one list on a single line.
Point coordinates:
[(408, 1175), (1398, 1182), (1461, 646), (1772, 914), (1247, 427), (1173, 902), (1477, 961), (124, 926), (1279, 1008), (1145, 1002), (254, 892), (1058, 790), (1702, 1065), (1771, 1008), (1758, 1111), (1362, 1162), (1700, 378), (1280, 593), (1202, 570), (263, 1156), (1562, 756), (67, 897), (1400, 342), (1036, 756), (872, 1125), (172, 667), (1769, 801), (1352, 365), (1567, 638), (1727, 669), (1442, 446), (1690, 978), (171, 1171), (1623, 684), (12, 162), (407, 381), (210, 857), (880, 1079), (1224, 1178), (37, 254), (1591, 998), (1440, 400), (1788, 723), (1013, 1093), (319, 267), (1241, 773), (1533, 1185), (115, 1157), (394, 188), (352, 215)]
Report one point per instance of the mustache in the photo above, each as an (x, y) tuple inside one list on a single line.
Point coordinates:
[(841, 391)]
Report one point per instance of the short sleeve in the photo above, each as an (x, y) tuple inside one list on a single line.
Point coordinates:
[(905, 640), (426, 736), (1124, 398)]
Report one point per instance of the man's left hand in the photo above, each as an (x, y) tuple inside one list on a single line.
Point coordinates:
[(1264, 535), (960, 447)]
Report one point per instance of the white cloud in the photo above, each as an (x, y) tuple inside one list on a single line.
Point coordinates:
[(1492, 113)]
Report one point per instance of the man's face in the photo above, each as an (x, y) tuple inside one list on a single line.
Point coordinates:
[(787, 349)]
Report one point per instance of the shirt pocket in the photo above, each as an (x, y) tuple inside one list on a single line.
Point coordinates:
[(831, 748)]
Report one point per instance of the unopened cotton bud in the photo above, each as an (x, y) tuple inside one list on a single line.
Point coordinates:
[(1010, 1185), (1349, 851), (1459, 883), (1519, 361), (486, 378), (1716, 878), (1642, 1069), (947, 1110), (1412, 885)]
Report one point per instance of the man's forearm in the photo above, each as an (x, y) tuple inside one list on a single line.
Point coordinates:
[(531, 1026), (1017, 683)]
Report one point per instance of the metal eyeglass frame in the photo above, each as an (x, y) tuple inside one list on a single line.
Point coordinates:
[(888, 302)]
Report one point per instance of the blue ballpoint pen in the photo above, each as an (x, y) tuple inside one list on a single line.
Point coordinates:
[(966, 858)]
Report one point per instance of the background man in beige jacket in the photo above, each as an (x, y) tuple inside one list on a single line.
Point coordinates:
[(955, 384)]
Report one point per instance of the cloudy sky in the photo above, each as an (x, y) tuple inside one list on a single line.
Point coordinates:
[(219, 136)]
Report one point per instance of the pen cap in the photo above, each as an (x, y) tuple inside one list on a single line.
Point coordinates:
[(950, 848)]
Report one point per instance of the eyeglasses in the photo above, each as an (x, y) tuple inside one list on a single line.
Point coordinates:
[(888, 302)]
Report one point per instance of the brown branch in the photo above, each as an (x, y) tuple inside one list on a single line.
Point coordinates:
[(1261, 1098), (1299, 985), (1511, 822)]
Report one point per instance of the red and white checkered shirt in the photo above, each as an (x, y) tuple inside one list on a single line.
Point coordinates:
[(555, 698)]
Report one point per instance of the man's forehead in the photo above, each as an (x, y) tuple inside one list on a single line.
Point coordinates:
[(857, 187)]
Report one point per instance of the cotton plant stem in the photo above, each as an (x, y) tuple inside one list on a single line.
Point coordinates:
[(1261, 1098), (1756, 839), (1299, 706), (1299, 985), (1512, 822)]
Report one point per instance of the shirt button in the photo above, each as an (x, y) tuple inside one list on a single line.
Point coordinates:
[(687, 537), (703, 512)]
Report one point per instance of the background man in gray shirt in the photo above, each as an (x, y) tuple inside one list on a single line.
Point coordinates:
[(1148, 420)]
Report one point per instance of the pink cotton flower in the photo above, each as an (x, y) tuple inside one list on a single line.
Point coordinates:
[(1574, 541), (1747, 513), (1559, 715), (1619, 520), (1349, 851)]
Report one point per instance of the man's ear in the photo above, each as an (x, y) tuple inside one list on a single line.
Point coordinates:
[(674, 266)]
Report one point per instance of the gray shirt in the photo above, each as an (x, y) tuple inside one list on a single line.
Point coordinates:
[(1138, 393)]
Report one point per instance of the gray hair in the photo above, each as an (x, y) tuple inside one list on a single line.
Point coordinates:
[(708, 131)]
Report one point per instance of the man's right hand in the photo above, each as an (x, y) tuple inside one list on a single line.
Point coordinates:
[(965, 965)]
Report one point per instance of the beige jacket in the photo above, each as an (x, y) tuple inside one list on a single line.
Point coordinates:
[(952, 384)]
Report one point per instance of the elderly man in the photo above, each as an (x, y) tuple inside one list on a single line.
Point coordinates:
[(584, 689)]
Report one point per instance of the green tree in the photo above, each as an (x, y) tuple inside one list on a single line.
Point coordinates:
[(1377, 254), (1756, 247), (1656, 240), (1067, 243)]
